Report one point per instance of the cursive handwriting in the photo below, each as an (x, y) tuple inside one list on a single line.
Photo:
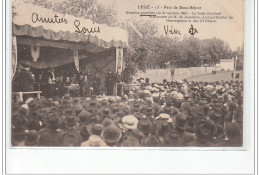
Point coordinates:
[(56, 19), (84, 29), (170, 30)]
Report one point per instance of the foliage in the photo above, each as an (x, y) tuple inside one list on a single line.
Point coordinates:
[(147, 48), (88, 9)]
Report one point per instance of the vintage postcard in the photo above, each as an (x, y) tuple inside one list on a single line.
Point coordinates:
[(127, 73)]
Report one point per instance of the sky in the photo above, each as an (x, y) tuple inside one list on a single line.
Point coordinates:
[(231, 31)]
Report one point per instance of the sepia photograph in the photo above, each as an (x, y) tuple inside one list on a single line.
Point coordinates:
[(93, 73)]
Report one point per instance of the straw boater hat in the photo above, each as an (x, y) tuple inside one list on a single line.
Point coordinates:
[(111, 134), (94, 141), (130, 121)]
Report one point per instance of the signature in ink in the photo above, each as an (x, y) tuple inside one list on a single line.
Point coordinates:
[(171, 30)]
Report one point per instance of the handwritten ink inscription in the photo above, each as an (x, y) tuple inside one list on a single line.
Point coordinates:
[(171, 30), (85, 29), (193, 30), (58, 20)]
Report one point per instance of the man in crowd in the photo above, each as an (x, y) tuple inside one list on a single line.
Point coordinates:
[(171, 114)]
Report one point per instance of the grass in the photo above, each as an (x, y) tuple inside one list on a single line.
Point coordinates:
[(223, 75)]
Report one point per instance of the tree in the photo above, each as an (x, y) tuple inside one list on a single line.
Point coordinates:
[(88, 9)]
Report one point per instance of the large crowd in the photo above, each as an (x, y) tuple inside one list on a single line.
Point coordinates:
[(170, 114)]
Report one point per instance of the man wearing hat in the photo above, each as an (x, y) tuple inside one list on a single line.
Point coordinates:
[(234, 136), (204, 130), (180, 125), (51, 135), (111, 135), (71, 138), (94, 141)]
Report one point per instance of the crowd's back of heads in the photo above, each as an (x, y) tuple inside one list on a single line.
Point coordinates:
[(159, 115)]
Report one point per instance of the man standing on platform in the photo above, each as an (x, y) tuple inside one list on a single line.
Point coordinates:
[(110, 82), (25, 80), (50, 80)]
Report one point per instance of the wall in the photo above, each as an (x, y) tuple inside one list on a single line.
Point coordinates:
[(157, 75), (226, 64)]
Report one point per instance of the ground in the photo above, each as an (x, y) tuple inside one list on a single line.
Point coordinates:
[(223, 75)]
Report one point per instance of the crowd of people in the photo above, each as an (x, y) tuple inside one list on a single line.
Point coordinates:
[(170, 114), (55, 84)]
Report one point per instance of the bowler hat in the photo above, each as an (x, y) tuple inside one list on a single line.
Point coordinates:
[(32, 105), (93, 103), (84, 131), (107, 121), (114, 108), (71, 121), (145, 125), (172, 138), (33, 124), (71, 138), (233, 130), (94, 128), (136, 107), (66, 97), (111, 134), (149, 110), (103, 102), (105, 112), (84, 116), (180, 121), (52, 120)]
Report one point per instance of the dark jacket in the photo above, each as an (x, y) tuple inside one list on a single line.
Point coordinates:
[(25, 81)]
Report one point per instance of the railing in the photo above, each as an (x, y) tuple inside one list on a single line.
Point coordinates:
[(19, 95)]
